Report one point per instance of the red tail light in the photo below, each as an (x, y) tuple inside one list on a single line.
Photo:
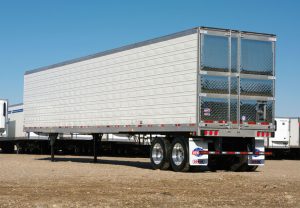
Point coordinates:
[(263, 134), (211, 133)]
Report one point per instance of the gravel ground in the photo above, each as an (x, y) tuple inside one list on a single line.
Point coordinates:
[(34, 181)]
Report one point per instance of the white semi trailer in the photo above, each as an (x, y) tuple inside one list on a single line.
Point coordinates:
[(15, 138), (208, 93), (287, 137), (3, 117), (5, 145)]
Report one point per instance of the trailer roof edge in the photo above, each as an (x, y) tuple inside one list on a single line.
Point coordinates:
[(17, 104), (135, 45), (115, 50)]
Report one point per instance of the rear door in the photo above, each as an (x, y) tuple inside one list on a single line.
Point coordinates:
[(236, 80), (218, 82), (256, 81)]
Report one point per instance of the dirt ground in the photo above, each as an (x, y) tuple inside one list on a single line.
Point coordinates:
[(34, 181)]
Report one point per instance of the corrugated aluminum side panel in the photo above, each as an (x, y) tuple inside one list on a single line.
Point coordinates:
[(151, 84)]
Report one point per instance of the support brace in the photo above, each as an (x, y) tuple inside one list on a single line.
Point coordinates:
[(96, 140), (52, 138)]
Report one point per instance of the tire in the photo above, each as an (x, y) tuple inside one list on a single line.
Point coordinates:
[(219, 163), (179, 155), (242, 165), (252, 168), (238, 163), (159, 154), (8, 148)]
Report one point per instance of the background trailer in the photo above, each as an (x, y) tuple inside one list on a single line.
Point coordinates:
[(287, 137), (3, 117), (15, 139)]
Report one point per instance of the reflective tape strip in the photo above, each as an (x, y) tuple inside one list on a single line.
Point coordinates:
[(232, 153)]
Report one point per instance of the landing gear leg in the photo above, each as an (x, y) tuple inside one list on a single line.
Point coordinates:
[(52, 138), (96, 140)]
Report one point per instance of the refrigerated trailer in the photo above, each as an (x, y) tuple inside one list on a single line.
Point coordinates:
[(206, 93), (5, 145), (3, 117), (286, 139)]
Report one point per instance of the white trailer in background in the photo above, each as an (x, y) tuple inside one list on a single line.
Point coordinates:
[(5, 145), (16, 124), (3, 117), (14, 132), (207, 91), (286, 139), (29, 142)]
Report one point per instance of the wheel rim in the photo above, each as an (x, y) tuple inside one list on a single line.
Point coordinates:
[(157, 153), (178, 154)]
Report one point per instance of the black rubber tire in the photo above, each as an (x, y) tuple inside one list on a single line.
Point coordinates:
[(252, 168), (8, 148), (219, 163), (238, 162), (185, 165), (242, 165), (165, 163)]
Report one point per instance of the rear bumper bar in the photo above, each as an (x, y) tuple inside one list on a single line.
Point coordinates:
[(230, 153)]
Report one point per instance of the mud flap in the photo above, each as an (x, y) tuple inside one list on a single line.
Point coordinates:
[(257, 159), (196, 145)]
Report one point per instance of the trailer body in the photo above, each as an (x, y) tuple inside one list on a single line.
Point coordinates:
[(202, 82), (16, 121), (3, 117), (286, 135)]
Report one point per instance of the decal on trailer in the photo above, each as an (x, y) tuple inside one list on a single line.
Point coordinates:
[(243, 118), (196, 151), (196, 145), (257, 159), (206, 111)]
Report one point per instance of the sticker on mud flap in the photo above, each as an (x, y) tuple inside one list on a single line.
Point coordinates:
[(195, 146), (257, 151), (243, 118), (196, 151), (206, 111), (257, 159)]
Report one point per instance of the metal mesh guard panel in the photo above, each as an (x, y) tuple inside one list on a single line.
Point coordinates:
[(214, 84), (214, 109), (233, 109), (249, 110), (257, 57), (234, 85), (215, 53), (234, 56), (269, 111), (256, 87)]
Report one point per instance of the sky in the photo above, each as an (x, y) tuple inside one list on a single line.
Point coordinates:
[(35, 33)]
